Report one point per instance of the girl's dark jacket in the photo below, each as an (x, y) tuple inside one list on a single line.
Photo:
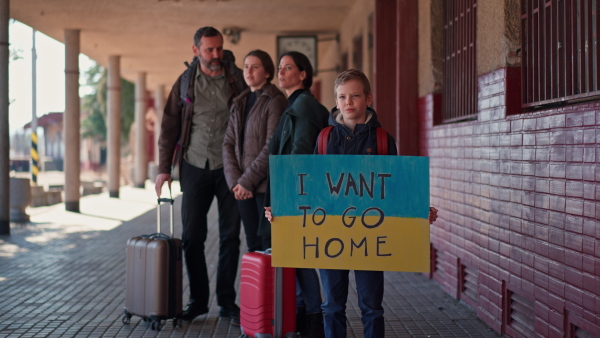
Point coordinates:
[(297, 134), (301, 124), (363, 141), (246, 162)]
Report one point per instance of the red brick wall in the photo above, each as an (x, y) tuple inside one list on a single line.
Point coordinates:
[(518, 195)]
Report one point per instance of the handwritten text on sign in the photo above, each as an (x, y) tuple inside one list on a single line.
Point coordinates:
[(354, 212)]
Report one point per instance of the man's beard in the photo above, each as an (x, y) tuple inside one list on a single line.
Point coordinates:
[(210, 65)]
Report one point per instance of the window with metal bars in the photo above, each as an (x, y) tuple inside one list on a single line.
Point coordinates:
[(560, 51), (459, 99)]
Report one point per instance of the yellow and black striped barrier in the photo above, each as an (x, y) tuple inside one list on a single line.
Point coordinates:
[(34, 158)]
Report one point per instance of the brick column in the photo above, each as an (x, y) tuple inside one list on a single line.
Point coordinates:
[(395, 84), (71, 121), (407, 78), (114, 125), (385, 63)]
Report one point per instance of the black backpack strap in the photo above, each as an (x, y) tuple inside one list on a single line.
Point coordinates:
[(186, 78)]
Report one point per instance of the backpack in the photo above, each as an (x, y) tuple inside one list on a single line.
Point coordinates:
[(382, 141)]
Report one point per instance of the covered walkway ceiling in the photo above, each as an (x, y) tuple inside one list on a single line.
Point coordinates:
[(155, 36)]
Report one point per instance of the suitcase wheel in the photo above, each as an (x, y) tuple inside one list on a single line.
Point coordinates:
[(126, 319), (156, 325), (176, 322)]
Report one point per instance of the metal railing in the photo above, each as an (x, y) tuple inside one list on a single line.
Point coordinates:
[(459, 99), (560, 51)]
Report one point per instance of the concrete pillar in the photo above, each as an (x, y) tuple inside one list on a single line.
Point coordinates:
[(140, 169), (159, 106), (20, 198), (4, 138), (114, 125), (71, 121)]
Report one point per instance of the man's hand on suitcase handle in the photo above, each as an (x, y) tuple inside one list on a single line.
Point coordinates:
[(160, 180)]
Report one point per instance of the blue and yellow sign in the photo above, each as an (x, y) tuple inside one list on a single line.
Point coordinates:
[(352, 212)]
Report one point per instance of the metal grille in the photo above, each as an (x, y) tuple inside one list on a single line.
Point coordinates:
[(438, 266), (560, 51), (469, 285), (581, 333), (521, 315), (460, 73)]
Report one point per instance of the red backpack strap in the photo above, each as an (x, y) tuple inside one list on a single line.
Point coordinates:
[(323, 139), (382, 141)]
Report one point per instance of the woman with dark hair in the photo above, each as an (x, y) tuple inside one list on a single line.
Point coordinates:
[(297, 133), (253, 118)]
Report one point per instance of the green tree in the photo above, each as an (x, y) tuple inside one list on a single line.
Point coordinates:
[(94, 104), (94, 126), (127, 109), (14, 54)]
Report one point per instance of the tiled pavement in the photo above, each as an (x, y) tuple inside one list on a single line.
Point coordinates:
[(62, 275)]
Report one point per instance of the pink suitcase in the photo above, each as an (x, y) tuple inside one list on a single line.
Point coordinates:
[(153, 277), (267, 298)]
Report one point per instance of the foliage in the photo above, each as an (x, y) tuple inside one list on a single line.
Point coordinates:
[(14, 54), (95, 104), (127, 109)]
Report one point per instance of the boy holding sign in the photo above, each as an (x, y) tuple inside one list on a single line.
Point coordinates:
[(353, 132)]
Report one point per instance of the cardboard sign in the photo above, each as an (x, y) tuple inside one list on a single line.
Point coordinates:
[(351, 212)]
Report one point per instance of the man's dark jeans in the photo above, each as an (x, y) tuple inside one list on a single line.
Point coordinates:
[(200, 186)]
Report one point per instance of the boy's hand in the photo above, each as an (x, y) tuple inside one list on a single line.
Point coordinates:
[(268, 214), (432, 215)]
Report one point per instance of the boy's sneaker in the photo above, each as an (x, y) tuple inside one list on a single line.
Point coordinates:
[(301, 320), (314, 326)]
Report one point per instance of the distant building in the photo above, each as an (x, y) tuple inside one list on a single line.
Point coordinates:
[(51, 147)]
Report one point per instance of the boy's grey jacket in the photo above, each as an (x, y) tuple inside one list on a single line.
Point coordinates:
[(363, 141), (248, 163)]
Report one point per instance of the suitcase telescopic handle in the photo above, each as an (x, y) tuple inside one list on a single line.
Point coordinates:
[(171, 218)]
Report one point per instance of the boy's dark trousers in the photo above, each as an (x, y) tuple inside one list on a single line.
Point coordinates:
[(369, 287)]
